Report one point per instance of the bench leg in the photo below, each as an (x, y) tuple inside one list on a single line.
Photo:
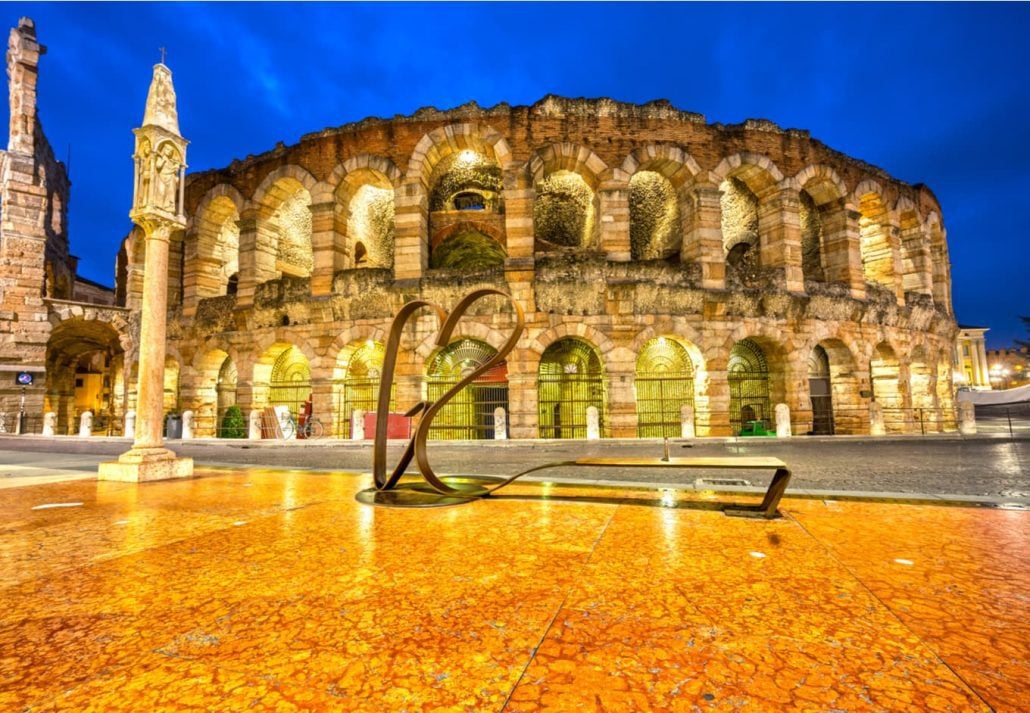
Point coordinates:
[(770, 502)]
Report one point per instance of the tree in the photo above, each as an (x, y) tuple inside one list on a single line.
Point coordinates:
[(233, 424)]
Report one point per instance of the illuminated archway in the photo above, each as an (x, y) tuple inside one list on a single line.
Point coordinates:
[(655, 229), (570, 380), (359, 387), (748, 375), (470, 414), (290, 381), (820, 392), (664, 384), (225, 392), (884, 374)]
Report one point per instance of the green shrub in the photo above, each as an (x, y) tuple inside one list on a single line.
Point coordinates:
[(233, 424)]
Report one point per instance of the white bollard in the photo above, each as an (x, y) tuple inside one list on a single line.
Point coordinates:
[(500, 424), (357, 425), (86, 424), (782, 421), (593, 424), (49, 423), (254, 432), (966, 418), (686, 421), (876, 427), (187, 425), (130, 424)]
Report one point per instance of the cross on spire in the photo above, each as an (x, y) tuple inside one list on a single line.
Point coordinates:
[(162, 54)]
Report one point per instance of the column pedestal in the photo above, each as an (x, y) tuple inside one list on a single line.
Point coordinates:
[(139, 465)]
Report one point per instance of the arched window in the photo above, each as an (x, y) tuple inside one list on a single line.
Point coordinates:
[(360, 386), (290, 384), (570, 380), (564, 210), (470, 413), (819, 391), (739, 208), (654, 217), (665, 383)]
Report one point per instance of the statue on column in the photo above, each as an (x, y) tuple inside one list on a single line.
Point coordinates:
[(166, 168)]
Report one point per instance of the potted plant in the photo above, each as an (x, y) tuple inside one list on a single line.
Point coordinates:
[(233, 424)]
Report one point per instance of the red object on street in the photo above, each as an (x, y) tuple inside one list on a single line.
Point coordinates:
[(397, 426)]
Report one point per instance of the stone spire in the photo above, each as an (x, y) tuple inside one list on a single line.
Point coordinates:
[(161, 109), (160, 157)]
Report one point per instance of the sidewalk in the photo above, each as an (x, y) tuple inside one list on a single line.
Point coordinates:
[(259, 590)]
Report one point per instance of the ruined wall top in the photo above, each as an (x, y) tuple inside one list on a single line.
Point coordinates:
[(161, 109)]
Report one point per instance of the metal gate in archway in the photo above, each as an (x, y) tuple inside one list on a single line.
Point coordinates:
[(664, 383), (225, 392), (359, 389), (819, 392), (290, 384), (748, 377), (470, 414), (569, 381)]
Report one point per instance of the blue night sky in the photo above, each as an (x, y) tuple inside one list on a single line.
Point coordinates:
[(932, 93)]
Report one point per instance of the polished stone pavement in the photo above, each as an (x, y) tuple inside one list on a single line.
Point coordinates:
[(253, 589)]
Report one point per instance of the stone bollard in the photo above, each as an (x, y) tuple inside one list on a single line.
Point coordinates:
[(86, 424), (49, 423), (686, 421), (966, 418), (357, 425), (187, 425), (782, 412), (500, 424), (130, 424), (876, 427), (254, 432), (593, 424)]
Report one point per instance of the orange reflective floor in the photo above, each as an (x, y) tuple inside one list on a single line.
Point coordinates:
[(274, 590)]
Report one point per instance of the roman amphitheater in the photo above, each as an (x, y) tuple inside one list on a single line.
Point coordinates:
[(670, 269)]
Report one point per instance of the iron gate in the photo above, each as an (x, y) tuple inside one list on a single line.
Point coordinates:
[(820, 393), (570, 380), (748, 377), (290, 384), (469, 415), (664, 384)]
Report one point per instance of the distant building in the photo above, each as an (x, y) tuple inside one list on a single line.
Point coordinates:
[(971, 357), (1009, 367)]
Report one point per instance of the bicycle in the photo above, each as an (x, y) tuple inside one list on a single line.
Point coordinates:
[(312, 428)]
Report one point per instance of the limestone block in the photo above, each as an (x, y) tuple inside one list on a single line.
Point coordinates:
[(782, 421), (187, 425), (130, 424), (86, 424), (500, 424), (49, 423), (966, 418), (876, 425), (686, 421), (593, 424), (357, 425), (254, 432)]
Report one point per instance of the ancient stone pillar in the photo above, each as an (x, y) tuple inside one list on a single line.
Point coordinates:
[(779, 224), (702, 242), (187, 425), (686, 421), (966, 418), (357, 425), (49, 423), (130, 424), (782, 421), (86, 424), (157, 209), (842, 249), (254, 425), (327, 252), (500, 424), (411, 231), (614, 201)]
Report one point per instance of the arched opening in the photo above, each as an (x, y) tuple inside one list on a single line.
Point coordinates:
[(370, 219), (213, 257), (232, 285), (820, 392), (812, 238), (884, 374), (84, 373), (564, 212), (740, 238), (655, 229), (467, 250), (664, 384), (225, 394), (875, 243), (940, 266), (289, 382), (357, 383), (748, 375), (171, 385), (466, 188), (915, 261), (470, 414), (284, 230), (570, 380)]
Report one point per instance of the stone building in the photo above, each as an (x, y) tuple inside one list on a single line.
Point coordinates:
[(971, 356), (669, 268)]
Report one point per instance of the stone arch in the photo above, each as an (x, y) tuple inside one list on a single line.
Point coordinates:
[(877, 245), (666, 368), (922, 378), (756, 374), (850, 417), (885, 378), (570, 378), (566, 208), (282, 376), (916, 272), (746, 183), (283, 211), (469, 414), (823, 216), (465, 329), (356, 379), (756, 171), (212, 248), (207, 392), (363, 192), (451, 139)]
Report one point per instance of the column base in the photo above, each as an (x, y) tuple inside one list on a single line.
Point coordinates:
[(140, 465)]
